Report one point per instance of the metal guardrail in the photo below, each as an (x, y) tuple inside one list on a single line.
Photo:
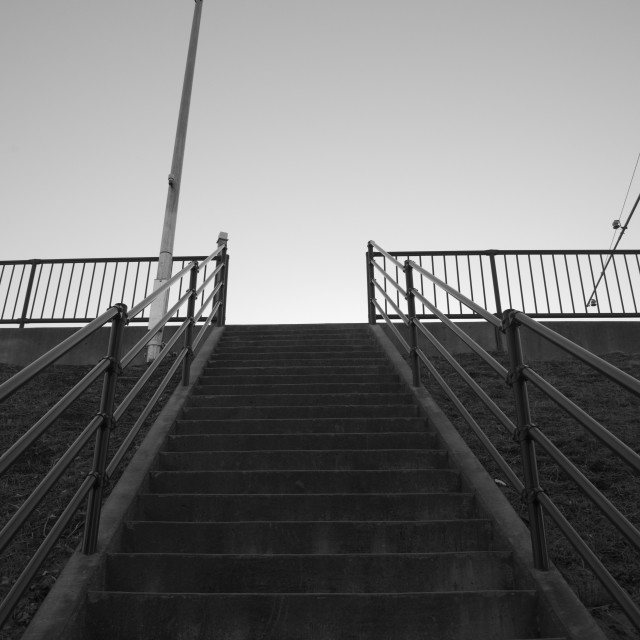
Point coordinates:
[(76, 290), (190, 288), (543, 284), (402, 295)]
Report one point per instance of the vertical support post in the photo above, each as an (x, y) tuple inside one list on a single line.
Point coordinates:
[(496, 295), (494, 277), (225, 288), (413, 330), (188, 336), (165, 258), (27, 295), (94, 504), (221, 278), (370, 288), (527, 447)]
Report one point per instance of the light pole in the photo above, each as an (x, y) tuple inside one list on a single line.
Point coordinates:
[(165, 258)]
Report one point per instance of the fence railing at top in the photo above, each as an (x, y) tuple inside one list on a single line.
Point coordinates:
[(403, 293), (90, 490), (544, 284), (78, 290)]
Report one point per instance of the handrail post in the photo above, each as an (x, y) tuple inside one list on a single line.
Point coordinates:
[(496, 296), (221, 277), (27, 295), (370, 289), (188, 336), (413, 331), (225, 288), (523, 437), (94, 504)]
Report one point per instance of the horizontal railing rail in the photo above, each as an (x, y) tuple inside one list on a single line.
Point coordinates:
[(76, 290), (542, 283), (402, 294), (188, 288)]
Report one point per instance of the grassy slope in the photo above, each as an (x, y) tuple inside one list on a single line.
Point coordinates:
[(613, 407), (16, 415), (616, 410)]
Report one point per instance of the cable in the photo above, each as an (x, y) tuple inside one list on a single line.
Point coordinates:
[(629, 187), (592, 300)]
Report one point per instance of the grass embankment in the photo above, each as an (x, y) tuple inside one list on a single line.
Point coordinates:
[(606, 402), (19, 413), (614, 408)]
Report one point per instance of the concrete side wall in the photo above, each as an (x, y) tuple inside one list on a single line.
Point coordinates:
[(20, 347), (598, 336)]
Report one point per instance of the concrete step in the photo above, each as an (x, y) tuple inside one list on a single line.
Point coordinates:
[(387, 507), (331, 573), (336, 359), (302, 426), (251, 377), (308, 537), (478, 615), (304, 482), (232, 331), (310, 371), (337, 460), (244, 442), (299, 400), (293, 347), (299, 412), (303, 388)]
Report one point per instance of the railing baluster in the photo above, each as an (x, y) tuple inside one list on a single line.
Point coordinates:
[(13, 268), (520, 281), (506, 272), (27, 297), (75, 309), (566, 268), (606, 284), (533, 286), (94, 505), (615, 269), (527, 447), (55, 301), (633, 297), (371, 310), (413, 331), (188, 336), (113, 283), (66, 300)]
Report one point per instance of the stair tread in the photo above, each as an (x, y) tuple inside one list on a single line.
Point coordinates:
[(301, 495)]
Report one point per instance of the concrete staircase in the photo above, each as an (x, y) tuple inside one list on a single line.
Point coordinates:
[(302, 496)]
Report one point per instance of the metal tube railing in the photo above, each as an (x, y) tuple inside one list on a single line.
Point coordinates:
[(534, 281), (21, 378), (526, 431), (107, 418)]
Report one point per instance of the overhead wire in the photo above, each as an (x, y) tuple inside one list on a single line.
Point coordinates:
[(592, 301)]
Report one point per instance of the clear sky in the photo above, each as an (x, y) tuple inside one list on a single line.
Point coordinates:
[(316, 126)]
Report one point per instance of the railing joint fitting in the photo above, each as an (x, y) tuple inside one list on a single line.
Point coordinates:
[(102, 480), (522, 433), (530, 496), (509, 320), (515, 375)]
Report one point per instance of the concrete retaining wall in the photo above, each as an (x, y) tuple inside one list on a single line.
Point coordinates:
[(22, 346), (598, 336)]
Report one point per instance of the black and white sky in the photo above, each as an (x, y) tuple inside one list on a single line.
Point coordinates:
[(316, 126)]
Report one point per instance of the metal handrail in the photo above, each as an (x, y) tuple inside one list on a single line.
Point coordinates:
[(541, 283), (59, 291), (526, 432), (108, 414)]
